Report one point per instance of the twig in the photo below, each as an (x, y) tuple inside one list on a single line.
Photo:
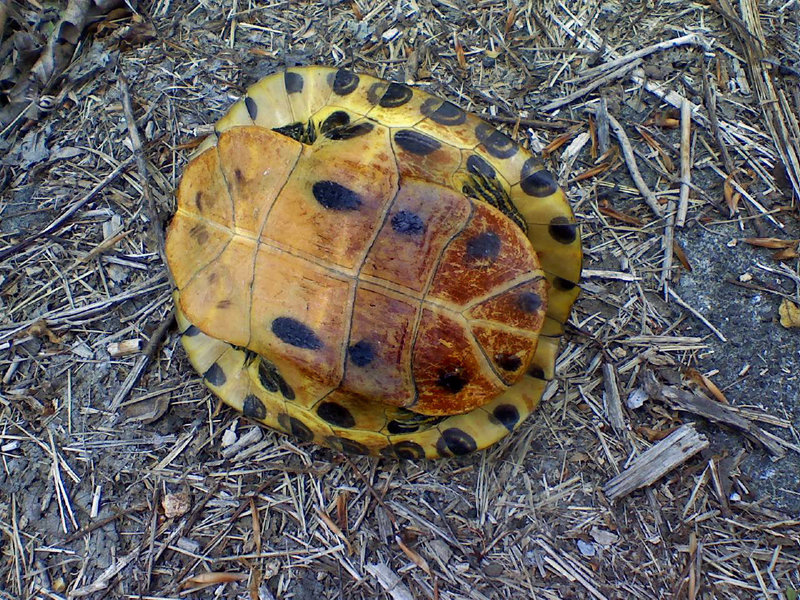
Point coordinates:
[(686, 163), (705, 321), (630, 160), (156, 223), (65, 216), (616, 74), (692, 38)]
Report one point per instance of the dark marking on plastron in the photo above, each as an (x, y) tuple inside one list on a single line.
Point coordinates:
[(477, 165), (361, 353), (443, 113), (191, 331), (344, 82), (336, 119), (295, 333), (407, 223), (403, 450), (507, 415), (348, 132), (215, 375), (253, 407), (416, 142), (395, 95), (272, 380), (508, 362), (529, 302), (251, 106), (456, 442), (496, 143), (293, 82), (536, 180), (198, 201), (406, 421), (564, 285), (237, 172), (347, 446), (336, 414), (223, 304), (452, 380), (296, 427), (562, 231), (335, 196), (485, 245)]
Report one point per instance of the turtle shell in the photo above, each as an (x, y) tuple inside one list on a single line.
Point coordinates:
[(369, 267)]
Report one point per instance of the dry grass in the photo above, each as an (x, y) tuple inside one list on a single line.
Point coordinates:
[(122, 477)]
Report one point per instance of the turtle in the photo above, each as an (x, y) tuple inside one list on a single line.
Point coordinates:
[(364, 265)]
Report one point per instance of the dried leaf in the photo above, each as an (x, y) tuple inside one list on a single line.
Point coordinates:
[(413, 556), (40, 329), (775, 243), (732, 197), (790, 314), (212, 578), (588, 174), (462, 60), (706, 383)]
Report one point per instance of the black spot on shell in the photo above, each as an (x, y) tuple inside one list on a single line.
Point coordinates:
[(253, 407), (238, 174), (215, 375), (272, 380), (416, 142), (496, 143), (336, 414), (198, 201), (336, 119), (529, 302), (484, 245), (223, 304), (403, 450), (395, 95), (536, 180), (508, 362), (335, 196), (408, 223), (347, 132), (347, 446), (455, 442), (444, 113), (295, 333), (296, 131), (293, 82), (361, 353), (536, 372), (562, 231), (477, 165), (296, 427), (344, 82), (251, 106), (564, 285), (191, 331), (507, 415), (452, 380)]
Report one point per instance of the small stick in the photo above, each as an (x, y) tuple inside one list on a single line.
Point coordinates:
[(615, 74), (630, 160), (58, 222), (156, 224), (686, 162), (683, 303), (668, 242), (692, 38)]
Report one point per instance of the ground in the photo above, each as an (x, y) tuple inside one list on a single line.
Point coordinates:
[(122, 476)]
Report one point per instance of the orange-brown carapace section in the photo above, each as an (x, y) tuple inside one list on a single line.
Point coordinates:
[(356, 264)]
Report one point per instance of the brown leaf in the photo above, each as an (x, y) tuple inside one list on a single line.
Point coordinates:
[(786, 254), (775, 243), (413, 556), (706, 383), (732, 197), (790, 314), (212, 578), (40, 329)]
